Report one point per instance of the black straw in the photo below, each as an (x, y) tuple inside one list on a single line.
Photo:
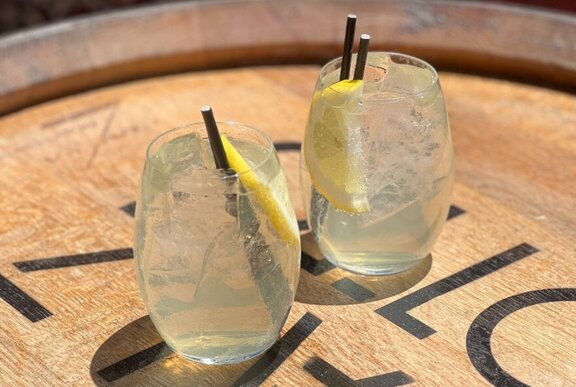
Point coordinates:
[(214, 137), (348, 43), (362, 56)]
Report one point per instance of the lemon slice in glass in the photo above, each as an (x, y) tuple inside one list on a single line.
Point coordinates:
[(271, 201), (333, 147)]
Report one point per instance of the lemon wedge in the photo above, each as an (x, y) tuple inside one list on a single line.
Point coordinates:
[(269, 199), (333, 147)]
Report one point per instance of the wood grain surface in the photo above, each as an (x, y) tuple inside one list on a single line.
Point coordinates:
[(495, 302)]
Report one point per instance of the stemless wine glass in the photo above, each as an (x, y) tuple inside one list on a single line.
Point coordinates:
[(217, 252), (377, 164)]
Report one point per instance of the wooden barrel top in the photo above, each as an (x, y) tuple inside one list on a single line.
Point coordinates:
[(495, 302)]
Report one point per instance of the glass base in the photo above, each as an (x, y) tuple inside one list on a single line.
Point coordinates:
[(383, 269), (224, 359)]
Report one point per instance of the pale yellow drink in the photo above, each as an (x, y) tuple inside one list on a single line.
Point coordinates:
[(377, 165), (217, 264)]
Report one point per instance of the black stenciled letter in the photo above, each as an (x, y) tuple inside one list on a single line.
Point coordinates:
[(396, 311), (480, 331)]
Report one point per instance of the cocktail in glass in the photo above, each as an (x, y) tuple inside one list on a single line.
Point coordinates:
[(217, 252), (377, 164)]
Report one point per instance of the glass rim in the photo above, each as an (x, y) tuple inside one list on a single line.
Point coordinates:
[(269, 148), (426, 65)]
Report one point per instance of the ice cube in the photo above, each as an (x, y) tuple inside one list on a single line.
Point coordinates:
[(397, 80), (420, 78), (225, 258), (164, 246), (388, 202), (180, 153), (406, 79), (171, 268), (201, 200)]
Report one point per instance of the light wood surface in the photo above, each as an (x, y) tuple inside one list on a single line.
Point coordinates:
[(69, 165)]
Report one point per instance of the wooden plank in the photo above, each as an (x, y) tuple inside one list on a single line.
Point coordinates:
[(81, 54), (69, 166)]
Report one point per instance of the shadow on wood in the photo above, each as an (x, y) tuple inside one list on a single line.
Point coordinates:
[(137, 350)]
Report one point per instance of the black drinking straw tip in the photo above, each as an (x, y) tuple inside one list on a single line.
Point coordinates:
[(348, 43), (214, 137), (362, 56)]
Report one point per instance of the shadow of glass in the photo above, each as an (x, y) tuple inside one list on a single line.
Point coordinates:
[(322, 284), (136, 355)]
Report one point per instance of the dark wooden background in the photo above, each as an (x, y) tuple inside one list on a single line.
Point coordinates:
[(16, 14)]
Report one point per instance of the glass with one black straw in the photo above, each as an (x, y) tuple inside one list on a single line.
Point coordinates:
[(377, 161), (216, 244)]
